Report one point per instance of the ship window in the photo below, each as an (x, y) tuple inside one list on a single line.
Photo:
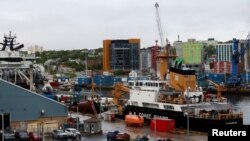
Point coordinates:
[(137, 84), (131, 83), (169, 107), (150, 105), (161, 84), (140, 83), (135, 103)]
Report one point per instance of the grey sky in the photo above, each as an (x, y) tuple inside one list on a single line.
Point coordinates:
[(78, 24)]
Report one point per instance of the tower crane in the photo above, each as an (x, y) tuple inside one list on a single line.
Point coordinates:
[(159, 26), (164, 54)]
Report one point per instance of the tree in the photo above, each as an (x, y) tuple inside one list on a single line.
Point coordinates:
[(210, 50)]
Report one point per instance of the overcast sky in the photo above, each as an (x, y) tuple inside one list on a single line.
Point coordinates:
[(79, 24)]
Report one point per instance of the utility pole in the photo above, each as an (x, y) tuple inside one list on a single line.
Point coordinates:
[(188, 113), (100, 101), (155, 127), (2, 126), (77, 121), (86, 63)]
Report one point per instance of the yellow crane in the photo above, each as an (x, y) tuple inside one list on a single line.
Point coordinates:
[(219, 88), (164, 55), (118, 92)]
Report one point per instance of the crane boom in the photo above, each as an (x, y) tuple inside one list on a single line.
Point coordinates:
[(159, 26)]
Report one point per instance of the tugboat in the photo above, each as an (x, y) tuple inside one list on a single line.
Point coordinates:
[(18, 69), (181, 100)]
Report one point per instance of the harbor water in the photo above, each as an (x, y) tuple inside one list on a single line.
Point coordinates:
[(240, 102)]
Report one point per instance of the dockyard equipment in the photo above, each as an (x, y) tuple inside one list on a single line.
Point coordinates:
[(118, 92), (219, 88), (237, 54), (164, 55)]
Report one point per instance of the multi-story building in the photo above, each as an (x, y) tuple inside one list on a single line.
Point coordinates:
[(192, 52), (121, 54), (35, 48), (155, 51), (145, 59), (178, 47), (224, 51), (209, 42)]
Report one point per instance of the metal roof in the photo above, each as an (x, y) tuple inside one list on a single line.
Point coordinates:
[(23, 104)]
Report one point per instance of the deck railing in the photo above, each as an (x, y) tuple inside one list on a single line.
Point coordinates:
[(219, 116)]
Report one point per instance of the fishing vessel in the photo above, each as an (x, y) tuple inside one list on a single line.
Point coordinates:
[(180, 99), (16, 68)]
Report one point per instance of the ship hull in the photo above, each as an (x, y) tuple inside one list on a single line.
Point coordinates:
[(196, 124)]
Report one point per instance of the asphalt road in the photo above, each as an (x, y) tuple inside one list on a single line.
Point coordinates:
[(140, 131)]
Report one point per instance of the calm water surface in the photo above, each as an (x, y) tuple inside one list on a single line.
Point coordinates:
[(240, 102)]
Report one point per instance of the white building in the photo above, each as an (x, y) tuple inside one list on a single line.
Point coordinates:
[(34, 49), (209, 42)]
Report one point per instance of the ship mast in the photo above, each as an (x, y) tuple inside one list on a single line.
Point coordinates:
[(9, 41)]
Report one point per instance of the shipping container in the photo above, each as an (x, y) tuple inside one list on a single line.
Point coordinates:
[(117, 79), (222, 67), (104, 80), (216, 77), (162, 125), (84, 81)]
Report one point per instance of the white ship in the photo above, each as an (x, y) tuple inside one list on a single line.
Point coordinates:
[(15, 68), (155, 99)]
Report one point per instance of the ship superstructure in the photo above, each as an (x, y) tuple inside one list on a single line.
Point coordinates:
[(16, 68)]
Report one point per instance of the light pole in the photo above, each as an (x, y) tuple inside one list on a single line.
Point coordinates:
[(43, 132), (187, 113), (155, 127), (2, 126), (100, 102), (77, 119)]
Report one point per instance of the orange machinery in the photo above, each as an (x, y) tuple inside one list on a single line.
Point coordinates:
[(118, 92), (219, 88), (163, 58)]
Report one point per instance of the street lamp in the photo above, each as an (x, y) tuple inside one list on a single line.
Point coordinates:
[(2, 126), (188, 113)]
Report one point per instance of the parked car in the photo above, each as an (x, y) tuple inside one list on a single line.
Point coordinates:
[(21, 136), (33, 136), (73, 133), (7, 136), (59, 134), (111, 136), (143, 138), (122, 136)]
